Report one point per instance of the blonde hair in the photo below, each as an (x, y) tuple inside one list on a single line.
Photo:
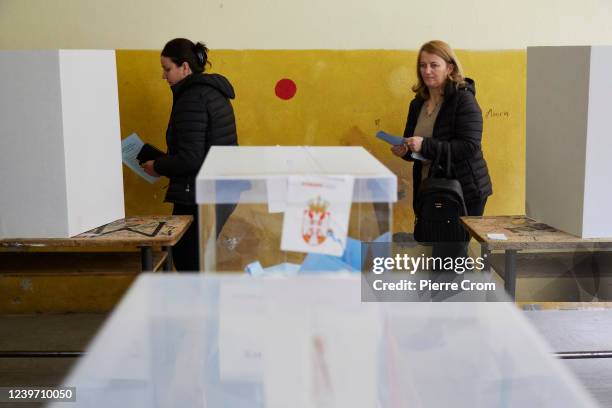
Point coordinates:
[(444, 51)]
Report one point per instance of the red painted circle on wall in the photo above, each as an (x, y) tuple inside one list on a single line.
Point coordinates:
[(285, 89)]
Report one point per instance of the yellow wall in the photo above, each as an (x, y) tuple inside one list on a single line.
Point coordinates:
[(343, 98)]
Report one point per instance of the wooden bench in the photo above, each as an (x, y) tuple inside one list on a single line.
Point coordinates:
[(145, 233), (523, 233), (76, 263)]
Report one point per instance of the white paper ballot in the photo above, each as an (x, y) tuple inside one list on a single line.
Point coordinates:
[(317, 214), (286, 345), (241, 316), (324, 349), (498, 237), (418, 156), (130, 146), (277, 195)]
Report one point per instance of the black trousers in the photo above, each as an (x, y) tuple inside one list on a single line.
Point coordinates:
[(476, 208), (186, 252)]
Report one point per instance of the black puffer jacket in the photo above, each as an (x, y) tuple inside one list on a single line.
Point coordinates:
[(459, 123), (202, 116)]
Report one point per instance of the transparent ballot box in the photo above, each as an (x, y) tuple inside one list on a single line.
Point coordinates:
[(308, 341), (291, 208)]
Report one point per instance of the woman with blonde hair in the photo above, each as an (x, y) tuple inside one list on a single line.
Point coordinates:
[(444, 115)]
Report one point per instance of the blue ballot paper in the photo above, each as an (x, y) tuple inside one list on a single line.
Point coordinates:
[(396, 141), (352, 254), (351, 260), (285, 268), (314, 263), (254, 268), (393, 140)]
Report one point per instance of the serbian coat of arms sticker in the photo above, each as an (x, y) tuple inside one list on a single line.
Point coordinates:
[(317, 214)]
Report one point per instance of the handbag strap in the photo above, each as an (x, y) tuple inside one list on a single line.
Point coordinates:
[(448, 160), (442, 147)]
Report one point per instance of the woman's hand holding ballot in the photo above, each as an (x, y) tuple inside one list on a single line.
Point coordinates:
[(149, 168), (414, 143), (398, 143), (400, 150)]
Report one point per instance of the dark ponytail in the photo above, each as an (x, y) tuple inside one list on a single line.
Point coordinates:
[(201, 53), (182, 50)]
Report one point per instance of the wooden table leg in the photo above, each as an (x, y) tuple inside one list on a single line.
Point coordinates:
[(168, 263), (146, 258), (510, 272), (485, 254)]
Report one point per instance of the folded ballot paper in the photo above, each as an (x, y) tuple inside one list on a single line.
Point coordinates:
[(267, 326), (350, 261), (282, 269), (396, 141), (132, 148), (333, 358), (391, 139)]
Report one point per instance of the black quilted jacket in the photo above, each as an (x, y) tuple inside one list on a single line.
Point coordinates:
[(202, 116), (459, 124)]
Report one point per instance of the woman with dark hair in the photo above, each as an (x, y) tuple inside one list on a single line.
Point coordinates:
[(202, 116), (444, 115)]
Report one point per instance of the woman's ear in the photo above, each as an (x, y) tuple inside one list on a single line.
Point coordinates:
[(186, 68)]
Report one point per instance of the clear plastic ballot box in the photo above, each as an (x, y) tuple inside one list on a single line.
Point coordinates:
[(273, 205), (308, 341)]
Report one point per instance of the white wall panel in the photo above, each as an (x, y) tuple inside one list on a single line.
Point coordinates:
[(92, 142), (60, 152), (568, 139)]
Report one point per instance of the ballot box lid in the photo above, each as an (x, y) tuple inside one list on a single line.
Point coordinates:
[(253, 174)]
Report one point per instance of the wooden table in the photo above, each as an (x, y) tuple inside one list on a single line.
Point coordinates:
[(141, 232), (523, 233)]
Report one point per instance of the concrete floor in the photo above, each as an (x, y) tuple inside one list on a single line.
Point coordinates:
[(72, 332), (66, 332)]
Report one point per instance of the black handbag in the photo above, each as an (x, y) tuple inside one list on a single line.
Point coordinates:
[(439, 204)]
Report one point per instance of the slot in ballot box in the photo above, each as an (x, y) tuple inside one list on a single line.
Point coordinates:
[(291, 208)]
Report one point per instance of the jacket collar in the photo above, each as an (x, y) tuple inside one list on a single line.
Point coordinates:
[(181, 85), (451, 90), (216, 81)]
